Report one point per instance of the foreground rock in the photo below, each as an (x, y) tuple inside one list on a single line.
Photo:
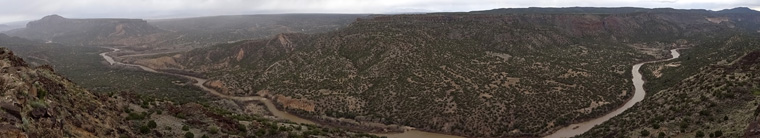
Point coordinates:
[(37, 102)]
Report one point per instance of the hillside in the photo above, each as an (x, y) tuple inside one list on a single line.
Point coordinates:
[(40, 103), (472, 74), (719, 99)]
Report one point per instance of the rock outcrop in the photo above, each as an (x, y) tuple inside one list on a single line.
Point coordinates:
[(37, 102)]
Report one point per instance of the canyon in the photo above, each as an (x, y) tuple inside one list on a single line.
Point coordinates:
[(513, 72)]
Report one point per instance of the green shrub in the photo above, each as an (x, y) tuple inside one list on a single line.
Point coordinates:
[(718, 133), (144, 129), (260, 132), (700, 134), (684, 125), (127, 110), (181, 116), (241, 127), (145, 104), (185, 128), (41, 93), (152, 124), (38, 104), (644, 133), (136, 116), (213, 130), (704, 113), (294, 135), (189, 135)]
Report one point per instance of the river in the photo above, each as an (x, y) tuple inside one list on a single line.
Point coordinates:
[(569, 131), (270, 106), (638, 84)]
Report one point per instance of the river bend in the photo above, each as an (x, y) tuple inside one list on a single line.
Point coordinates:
[(270, 106), (639, 93)]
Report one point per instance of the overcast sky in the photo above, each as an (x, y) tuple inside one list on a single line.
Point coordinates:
[(16, 10)]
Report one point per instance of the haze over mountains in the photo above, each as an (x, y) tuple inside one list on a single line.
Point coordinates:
[(174, 33), (55, 28), (513, 72), (4, 27), (12, 25)]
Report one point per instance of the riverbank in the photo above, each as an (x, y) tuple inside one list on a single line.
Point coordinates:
[(638, 96)]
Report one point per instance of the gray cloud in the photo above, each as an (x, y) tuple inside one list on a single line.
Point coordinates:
[(14, 10)]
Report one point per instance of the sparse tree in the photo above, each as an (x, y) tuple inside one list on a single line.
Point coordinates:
[(152, 124), (700, 134), (718, 133), (144, 129), (189, 135), (644, 133)]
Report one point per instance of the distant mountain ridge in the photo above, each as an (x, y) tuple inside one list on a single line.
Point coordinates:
[(739, 10), (12, 25), (206, 31), (176, 34), (4, 27), (587, 10), (58, 29), (609, 10)]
